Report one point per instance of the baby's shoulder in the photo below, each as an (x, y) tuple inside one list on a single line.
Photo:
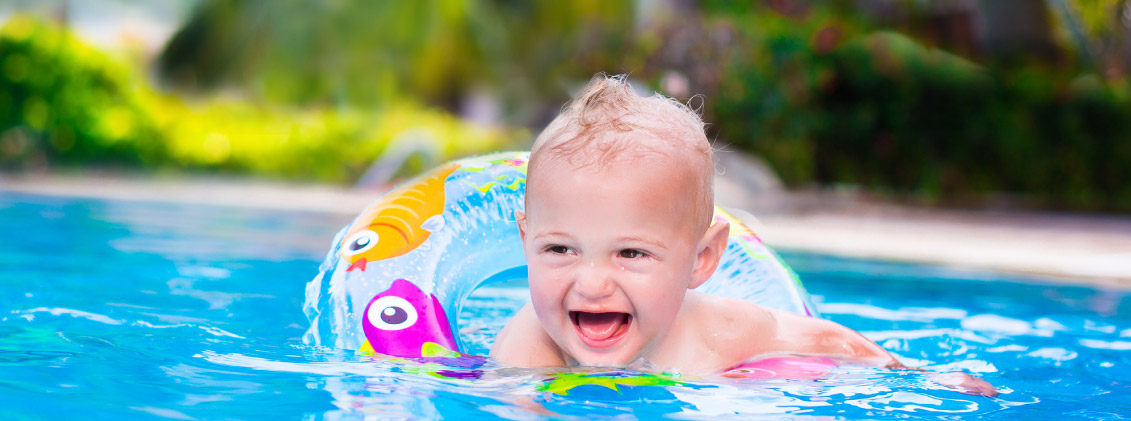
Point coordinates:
[(725, 323), (726, 310)]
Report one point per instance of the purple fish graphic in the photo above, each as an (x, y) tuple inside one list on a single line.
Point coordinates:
[(401, 320)]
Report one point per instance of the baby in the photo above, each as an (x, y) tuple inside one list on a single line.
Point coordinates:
[(617, 232)]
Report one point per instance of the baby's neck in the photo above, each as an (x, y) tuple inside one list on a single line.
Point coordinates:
[(681, 350)]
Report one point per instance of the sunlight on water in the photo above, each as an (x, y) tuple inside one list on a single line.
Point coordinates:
[(134, 310)]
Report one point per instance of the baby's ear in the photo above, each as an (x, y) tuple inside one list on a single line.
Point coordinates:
[(520, 217), (711, 248)]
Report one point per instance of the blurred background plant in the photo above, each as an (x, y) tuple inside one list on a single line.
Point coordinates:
[(66, 105), (957, 103)]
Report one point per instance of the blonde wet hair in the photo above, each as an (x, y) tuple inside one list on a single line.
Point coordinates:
[(608, 121)]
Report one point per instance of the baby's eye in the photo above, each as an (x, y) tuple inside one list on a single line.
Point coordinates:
[(632, 254), (557, 249)]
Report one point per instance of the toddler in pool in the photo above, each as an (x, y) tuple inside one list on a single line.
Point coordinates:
[(617, 232)]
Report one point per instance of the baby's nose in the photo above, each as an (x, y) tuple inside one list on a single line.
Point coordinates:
[(595, 281)]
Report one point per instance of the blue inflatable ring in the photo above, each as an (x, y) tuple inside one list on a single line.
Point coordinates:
[(396, 277)]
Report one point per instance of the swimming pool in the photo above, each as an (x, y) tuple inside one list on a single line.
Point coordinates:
[(116, 309)]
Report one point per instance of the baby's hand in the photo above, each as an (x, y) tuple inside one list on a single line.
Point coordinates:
[(965, 383)]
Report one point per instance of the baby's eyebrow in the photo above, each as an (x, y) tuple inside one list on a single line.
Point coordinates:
[(649, 241), (542, 235)]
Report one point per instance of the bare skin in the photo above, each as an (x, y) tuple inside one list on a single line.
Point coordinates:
[(739, 331), (613, 263)]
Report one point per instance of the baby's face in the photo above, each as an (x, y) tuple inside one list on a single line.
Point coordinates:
[(611, 252)]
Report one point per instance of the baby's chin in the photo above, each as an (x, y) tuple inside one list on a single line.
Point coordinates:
[(626, 354), (587, 359), (611, 357), (633, 362)]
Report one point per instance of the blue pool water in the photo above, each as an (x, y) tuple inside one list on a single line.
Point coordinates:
[(118, 310)]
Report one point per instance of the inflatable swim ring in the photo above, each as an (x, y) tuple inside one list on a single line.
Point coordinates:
[(396, 277)]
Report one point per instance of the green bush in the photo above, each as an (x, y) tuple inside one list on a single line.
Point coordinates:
[(769, 85), (823, 94), (828, 100), (324, 144), (63, 102)]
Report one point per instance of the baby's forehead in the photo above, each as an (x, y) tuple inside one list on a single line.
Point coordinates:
[(622, 167), (614, 147), (644, 186), (673, 181)]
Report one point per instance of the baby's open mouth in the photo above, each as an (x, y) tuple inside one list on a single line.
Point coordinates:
[(600, 329)]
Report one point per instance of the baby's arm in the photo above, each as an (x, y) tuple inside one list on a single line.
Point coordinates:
[(818, 336), (808, 335), (523, 343)]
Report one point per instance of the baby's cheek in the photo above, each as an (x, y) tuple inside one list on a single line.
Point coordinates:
[(664, 301), (635, 267), (544, 289)]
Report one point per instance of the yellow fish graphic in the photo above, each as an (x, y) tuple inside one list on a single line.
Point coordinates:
[(398, 222)]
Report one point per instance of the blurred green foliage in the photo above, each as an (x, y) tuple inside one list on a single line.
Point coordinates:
[(827, 93), (325, 144), (829, 99), (63, 103), (1099, 19), (370, 54)]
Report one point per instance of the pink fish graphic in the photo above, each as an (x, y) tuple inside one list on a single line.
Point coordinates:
[(403, 320)]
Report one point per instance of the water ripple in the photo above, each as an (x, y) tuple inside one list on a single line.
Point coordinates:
[(29, 314)]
